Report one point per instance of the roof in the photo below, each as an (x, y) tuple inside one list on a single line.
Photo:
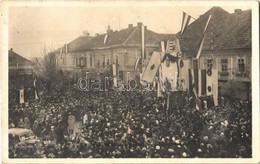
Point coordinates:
[(130, 36), (78, 42), (15, 59), (225, 31), (74, 44)]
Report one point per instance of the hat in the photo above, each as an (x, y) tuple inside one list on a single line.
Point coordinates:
[(184, 154), (199, 150), (157, 147), (205, 138), (173, 139), (170, 150)]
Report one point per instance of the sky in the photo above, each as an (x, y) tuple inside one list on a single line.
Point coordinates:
[(31, 28)]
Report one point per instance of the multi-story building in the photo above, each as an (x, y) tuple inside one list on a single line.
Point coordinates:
[(122, 48), (20, 77), (64, 56), (227, 47)]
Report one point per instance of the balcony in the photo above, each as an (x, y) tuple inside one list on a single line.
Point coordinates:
[(242, 74), (223, 73)]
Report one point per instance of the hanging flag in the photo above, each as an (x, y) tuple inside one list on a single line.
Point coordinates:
[(21, 96), (194, 90), (185, 22), (114, 72), (202, 80), (105, 39), (159, 88), (35, 89), (143, 41), (209, 82), (163, 46), (184, 73), (137, 63), (203, 38), (159, 83), (152, 67), (215, 86)]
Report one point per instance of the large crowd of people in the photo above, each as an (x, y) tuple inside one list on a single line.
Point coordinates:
[(130, 124)]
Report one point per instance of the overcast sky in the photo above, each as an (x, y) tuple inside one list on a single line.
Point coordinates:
[(32, 28)]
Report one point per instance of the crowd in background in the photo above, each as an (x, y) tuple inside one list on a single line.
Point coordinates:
[(130, 124)]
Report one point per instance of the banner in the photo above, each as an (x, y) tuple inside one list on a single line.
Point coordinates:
[(21, 96), (35, 89), (114, 73), (152, 67), (137, 64), (143, 41)]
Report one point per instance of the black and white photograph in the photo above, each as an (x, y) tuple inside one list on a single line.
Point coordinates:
[(130, 81)]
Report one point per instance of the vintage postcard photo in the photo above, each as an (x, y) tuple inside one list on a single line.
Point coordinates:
[(130, 82)]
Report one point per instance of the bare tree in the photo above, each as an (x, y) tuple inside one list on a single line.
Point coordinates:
[(51, 72)]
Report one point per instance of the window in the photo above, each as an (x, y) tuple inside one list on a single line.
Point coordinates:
[(98, 63), (224, 65), (195, 63), (116, 59), (107, 61), (90, 60), (104, 60), (82, 61), (241, 64), (209, 64)]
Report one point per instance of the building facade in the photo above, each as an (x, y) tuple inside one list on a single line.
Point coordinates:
[(226, 48), (122, 48), (20, 77)]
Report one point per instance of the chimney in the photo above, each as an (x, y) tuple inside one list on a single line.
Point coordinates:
[(237, 10), (11, 49), (85, 33), (139, 24), (130, 26)]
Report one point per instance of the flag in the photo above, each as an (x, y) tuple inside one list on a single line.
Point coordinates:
[(184, 73), (105, 39), (202, 80), (35, 89), (143, 41), (137, 63), (114, 73), (163, 46), (185, 22), (193, 88), (177, 49), (159, 88), (21, 96), (208, 83), (215, 86), (152, 67), (159, 83), (203, 38)]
